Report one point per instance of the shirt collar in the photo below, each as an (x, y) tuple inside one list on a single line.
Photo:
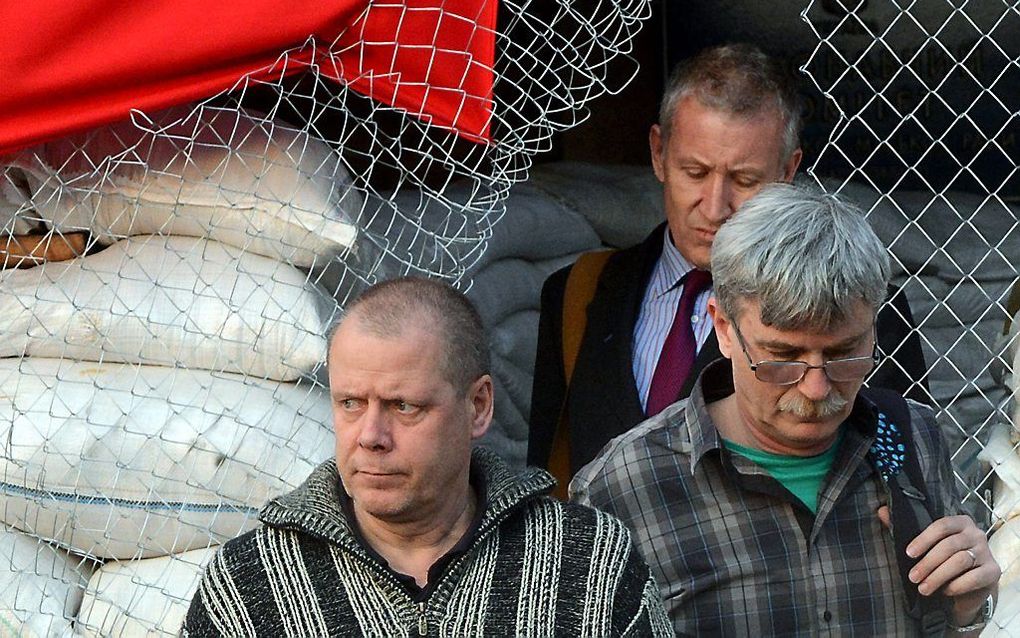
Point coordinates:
[(716, 382), (670, 268)]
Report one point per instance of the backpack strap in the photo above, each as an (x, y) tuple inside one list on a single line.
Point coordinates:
[(911, 508), (580, 290)]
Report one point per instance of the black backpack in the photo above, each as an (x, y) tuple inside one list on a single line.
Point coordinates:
[(911, 508)]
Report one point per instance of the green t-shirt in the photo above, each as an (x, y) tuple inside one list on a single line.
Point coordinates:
[(802, 475)]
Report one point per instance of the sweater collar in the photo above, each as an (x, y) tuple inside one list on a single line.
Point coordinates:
[(315, 506)]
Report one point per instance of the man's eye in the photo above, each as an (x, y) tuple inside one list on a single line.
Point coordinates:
[(349, 404), (784, 356), (746, 181), (695, 173), (404, 407)]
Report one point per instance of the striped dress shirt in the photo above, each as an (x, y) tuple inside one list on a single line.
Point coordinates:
[(658, 308)]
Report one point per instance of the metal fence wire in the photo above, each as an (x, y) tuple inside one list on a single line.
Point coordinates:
[(159, 386), (166, 283), (927, 96)]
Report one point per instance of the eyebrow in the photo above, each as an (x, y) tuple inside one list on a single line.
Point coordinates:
[(845, 344)]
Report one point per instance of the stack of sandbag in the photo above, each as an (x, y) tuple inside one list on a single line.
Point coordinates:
[(160, 389)]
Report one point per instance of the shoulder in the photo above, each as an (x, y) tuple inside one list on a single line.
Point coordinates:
[(244, 559), (579, 533), (619, 260), (927, 437), (630, 456), (924, 429), (573, 520)]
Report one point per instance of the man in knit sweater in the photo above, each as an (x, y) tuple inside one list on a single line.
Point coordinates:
[(409, 531)]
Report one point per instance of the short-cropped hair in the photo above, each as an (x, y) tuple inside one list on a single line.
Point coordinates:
[(808, 259), (390, 308), (739, 79)]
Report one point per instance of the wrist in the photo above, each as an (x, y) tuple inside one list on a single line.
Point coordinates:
[(973, 621)]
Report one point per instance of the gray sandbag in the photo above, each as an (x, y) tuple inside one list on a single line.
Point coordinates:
[(504, 287), (622, 203), (534, 226), (508, 433), (515, 338)]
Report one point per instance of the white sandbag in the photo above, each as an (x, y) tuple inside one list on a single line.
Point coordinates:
[(174, 301), (40, 586), (14, 206), (1002, 454), (148, 597), (236, 176), (123, 461), (1005, 622), (1005, 546)]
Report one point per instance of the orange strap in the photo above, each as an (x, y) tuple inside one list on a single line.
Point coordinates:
[(25, 251), (580, 289), (1012, 306)]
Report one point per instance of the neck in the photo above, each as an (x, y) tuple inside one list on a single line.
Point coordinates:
[(412, 546)]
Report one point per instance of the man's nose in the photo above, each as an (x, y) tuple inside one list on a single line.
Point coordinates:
[(375, 432), (717, 199), (815, 385)]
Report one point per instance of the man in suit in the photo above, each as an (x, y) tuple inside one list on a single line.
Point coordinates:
[(728, 125)]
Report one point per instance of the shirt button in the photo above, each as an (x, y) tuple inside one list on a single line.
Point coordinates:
[(827, 616), (695, 319)]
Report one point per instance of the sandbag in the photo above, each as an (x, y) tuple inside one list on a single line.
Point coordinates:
[(125, 461), (41, 586), (238, 177), (174, 301), (148, 597), (622, 203), (1002, 454)]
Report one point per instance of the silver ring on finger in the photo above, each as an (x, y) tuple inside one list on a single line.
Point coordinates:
[(973, 557)]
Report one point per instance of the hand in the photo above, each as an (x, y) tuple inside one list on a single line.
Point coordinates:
[(955, 557)]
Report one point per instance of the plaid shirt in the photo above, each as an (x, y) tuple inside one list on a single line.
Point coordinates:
[(734, 552)]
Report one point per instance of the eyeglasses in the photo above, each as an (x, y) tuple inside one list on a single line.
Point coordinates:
[(791, 372)]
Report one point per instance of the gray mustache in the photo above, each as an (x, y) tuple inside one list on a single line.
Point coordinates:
[(804, 408)]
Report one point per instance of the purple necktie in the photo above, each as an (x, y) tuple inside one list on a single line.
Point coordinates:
[(677, 356)]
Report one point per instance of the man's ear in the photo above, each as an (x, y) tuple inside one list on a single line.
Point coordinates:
[(722, 326), (655, 146), (790, 169), (480, 395)]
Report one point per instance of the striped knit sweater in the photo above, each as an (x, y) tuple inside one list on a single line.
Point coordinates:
[(535, 567)]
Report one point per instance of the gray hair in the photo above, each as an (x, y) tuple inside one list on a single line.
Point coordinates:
[(389, 308), (740, 79), (807, 258)]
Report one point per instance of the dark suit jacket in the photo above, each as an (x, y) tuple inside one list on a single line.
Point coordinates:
[(603, 400)]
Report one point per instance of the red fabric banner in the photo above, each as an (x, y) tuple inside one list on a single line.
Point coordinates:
[(69, 65)]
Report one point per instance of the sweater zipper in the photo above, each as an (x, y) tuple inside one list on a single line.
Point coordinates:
[(423, 625)]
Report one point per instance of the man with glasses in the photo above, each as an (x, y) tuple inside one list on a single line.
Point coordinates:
[(729, 124), (758, 502)]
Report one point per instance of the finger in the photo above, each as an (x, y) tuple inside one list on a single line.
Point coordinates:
[(937, 531), (884, 517), (955, 566), (945, 551), (981, 578)]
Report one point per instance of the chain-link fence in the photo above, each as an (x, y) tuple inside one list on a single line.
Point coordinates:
[(161, 360), (927, 96), (168, 279)]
